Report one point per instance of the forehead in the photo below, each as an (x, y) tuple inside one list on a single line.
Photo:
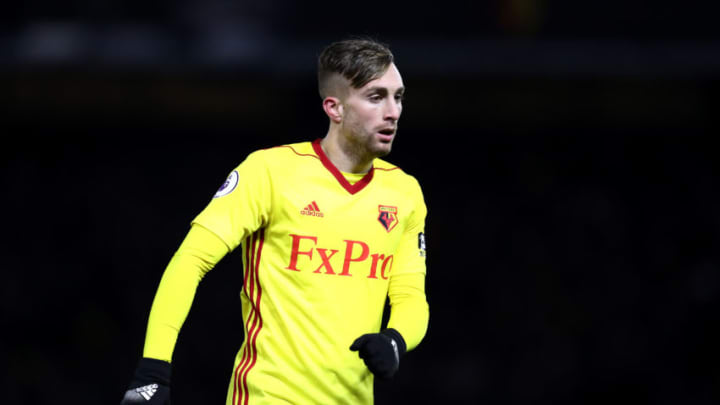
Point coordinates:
[(390, 80)]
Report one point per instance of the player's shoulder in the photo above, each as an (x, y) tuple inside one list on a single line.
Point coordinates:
[(394, 173), (298, 149), (281, 154)]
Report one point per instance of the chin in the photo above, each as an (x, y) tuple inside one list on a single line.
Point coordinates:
[(382, 150)]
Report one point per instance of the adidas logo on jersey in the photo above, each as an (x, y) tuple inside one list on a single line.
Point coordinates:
[(312, 210)]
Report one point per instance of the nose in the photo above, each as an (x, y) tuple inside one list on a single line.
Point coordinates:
[(393, 110)]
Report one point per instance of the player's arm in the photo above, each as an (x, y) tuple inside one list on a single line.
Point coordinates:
[(240, 207), (199, 253), (409, 312)]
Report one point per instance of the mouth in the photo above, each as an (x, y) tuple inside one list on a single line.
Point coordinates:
[(386, 134)]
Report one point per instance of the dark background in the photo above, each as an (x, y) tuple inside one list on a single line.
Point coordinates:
[(566, 150)]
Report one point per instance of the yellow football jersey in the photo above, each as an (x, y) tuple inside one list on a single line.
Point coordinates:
[(321, 255)]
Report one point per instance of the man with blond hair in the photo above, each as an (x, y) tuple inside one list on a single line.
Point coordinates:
[(329, 232)]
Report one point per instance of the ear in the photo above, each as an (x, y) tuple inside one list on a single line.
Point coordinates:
[(333, 108)]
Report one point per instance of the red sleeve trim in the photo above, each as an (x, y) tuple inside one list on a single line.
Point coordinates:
[(351, 188)]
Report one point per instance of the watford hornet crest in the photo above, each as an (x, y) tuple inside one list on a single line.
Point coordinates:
[(388, 217)]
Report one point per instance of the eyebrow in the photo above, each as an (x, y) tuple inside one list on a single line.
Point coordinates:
[(383, 90)]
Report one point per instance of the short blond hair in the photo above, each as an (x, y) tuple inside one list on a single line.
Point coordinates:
[(357, 60)]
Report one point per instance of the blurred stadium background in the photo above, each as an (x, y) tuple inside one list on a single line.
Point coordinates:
[(567, 152)]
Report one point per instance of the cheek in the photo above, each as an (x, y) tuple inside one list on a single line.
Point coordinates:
[(354, 123), (362, 118), (371, 114), (359, 117)]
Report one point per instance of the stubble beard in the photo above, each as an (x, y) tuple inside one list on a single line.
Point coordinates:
[(366, 147), (384, 150)]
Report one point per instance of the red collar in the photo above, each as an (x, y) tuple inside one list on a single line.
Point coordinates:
[(351, 188)]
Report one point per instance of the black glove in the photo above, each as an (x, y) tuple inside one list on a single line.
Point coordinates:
[(381, 351), (150, 384)]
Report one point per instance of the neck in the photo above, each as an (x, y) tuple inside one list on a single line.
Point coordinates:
[(345, 156)]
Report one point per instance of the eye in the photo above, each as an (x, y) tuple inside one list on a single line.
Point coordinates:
[(376, 98)]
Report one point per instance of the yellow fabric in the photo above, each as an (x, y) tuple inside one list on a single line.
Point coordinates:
[(410, 313), (198, 253), (319, 263), (353, 178)]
